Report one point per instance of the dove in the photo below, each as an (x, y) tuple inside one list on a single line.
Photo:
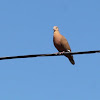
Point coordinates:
[(61, 44)]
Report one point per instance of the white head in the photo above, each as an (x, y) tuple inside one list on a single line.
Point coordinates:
[(55, 28)]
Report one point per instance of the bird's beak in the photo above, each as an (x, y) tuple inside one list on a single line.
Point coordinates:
[(53, 28)]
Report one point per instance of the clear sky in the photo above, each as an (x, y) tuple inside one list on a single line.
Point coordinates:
[(26, 27)]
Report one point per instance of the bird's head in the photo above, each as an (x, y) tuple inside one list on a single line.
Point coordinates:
[(55, 28)]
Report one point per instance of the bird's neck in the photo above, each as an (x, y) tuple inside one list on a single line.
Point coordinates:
[(57, 35), (56, 32)]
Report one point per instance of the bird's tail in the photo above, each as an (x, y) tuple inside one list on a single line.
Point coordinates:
[(72, 61)]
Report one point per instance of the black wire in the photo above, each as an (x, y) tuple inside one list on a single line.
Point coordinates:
[(54, 54)]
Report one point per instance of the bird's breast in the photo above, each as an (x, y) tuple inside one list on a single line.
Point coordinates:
[(57, 43), (56, 40)]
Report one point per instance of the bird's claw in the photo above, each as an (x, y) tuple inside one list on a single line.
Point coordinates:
[(61, 53)]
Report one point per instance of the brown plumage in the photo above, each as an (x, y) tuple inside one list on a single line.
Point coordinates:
[(61, 44)]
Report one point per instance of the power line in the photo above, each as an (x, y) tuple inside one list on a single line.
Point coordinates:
[(53, 54)]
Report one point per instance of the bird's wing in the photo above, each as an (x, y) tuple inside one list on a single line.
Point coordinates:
[(65, 44), (66, 47)]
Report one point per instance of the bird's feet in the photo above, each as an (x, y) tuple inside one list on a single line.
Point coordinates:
[(60, 53)]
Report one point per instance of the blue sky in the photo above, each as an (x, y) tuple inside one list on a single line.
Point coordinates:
[(26, 27)]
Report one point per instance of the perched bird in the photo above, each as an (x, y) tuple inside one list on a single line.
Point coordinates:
[(61, 44)]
